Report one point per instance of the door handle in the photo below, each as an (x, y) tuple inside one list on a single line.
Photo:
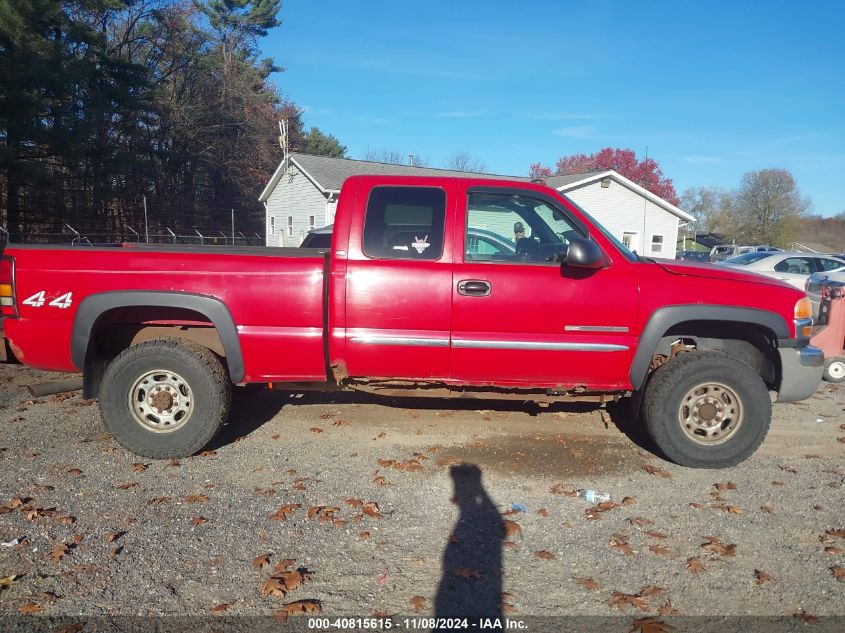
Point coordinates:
[(474, 288)]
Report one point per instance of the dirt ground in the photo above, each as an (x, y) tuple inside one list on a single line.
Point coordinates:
[(397, 508)]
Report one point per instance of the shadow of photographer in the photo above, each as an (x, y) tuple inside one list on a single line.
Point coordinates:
[(471, 580)]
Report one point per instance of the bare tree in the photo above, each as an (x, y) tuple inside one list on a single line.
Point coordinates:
[(769, 207), (464, 161), (711, 207), (396, 157)]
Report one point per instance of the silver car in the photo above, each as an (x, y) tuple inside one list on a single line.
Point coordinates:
[(791, 267)]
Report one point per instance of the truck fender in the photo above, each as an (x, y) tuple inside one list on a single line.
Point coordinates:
[(94, 306), (665, 318)]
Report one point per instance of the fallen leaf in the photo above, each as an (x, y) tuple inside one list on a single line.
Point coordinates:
[(760, 576), (128, 485), (588, 583), (653, 534), (696, 506), (639, 521), (659, 550), (67, 520), (259, 561), (340, 423), (200, 520), (380, 481), (833, 551), (316, 429), (371, 509), (652, 591), (667, 609), (805, 617), (729, 485), (466, 572), (417, 603), (139, 467), (650, 625), (116, 551), (838, 573), (220, 608), (8, 581), (74, 472), (283, 566), (653, 470), (355, 503), (543, 512), (282, 513), (364, 536), (788, 469), (840, 532), (622, 600), (767, 509), (300, 607), (628, 501), (111, 537), (157, 501), (694, 565), (722, 549), (208, 454), (30, 608), (197, 498), (512, 528), (545, 555), (778, 482), (59, 552)]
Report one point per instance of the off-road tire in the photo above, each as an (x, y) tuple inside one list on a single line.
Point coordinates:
[(664, 398), (833, 369), (201, 369)]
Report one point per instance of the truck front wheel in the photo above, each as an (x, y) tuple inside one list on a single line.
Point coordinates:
[(165, 398), (706, 410)]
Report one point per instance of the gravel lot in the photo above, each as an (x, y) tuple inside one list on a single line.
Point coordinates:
[(149, 538)]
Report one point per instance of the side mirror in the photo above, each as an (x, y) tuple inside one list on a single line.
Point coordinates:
[(584, 253)]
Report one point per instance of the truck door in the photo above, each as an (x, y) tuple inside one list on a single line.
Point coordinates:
[(398, 280), (518, 316)]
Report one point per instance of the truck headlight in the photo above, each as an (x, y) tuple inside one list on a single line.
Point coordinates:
[(803, 317)]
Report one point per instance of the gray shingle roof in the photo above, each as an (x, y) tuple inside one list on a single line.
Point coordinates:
[(331, 172), (561, 181)]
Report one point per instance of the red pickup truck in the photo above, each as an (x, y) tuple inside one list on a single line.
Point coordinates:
[(427, 290)]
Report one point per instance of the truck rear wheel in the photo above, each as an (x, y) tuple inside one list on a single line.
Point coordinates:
[(706, 410), (165, 398)]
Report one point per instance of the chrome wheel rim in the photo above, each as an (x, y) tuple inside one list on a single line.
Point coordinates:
[(836, 369), (710, 413), (161, 401)]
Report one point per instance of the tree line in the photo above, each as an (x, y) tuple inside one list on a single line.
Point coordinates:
[(104, 103)]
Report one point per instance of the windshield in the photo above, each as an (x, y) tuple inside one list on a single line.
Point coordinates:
[(748, 258)]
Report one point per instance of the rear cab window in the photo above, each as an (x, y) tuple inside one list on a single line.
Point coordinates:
[(405, 223)]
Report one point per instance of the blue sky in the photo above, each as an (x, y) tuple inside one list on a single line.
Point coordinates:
[(714, 89)]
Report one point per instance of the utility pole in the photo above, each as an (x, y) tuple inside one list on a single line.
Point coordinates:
[(146, 225), (233, 227)]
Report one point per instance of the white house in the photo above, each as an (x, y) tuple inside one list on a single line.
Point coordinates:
[(302, 195), (643, 221)]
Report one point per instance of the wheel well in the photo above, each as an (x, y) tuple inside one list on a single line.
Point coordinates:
[(754, 345), (117, 329)]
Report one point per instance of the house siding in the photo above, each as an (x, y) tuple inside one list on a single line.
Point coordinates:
[(296, 196), (620, 210)]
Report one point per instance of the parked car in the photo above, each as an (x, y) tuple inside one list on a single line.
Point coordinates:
[(479, 241), (404, 304), (693, 256), (791, 267), (726, 251), (813, 287)]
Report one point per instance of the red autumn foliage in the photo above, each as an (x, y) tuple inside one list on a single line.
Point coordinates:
[(645, 172)]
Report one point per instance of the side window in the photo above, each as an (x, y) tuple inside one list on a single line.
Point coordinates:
[(829, 264), (405, 223), (656, 243), (796, 266), (503, 227)]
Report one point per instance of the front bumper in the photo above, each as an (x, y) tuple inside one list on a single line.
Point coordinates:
[(801, 372)]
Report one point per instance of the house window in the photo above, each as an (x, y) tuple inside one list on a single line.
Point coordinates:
[(272, 225), (290, 226), (628, 240), (656, 243), (311, 223)]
